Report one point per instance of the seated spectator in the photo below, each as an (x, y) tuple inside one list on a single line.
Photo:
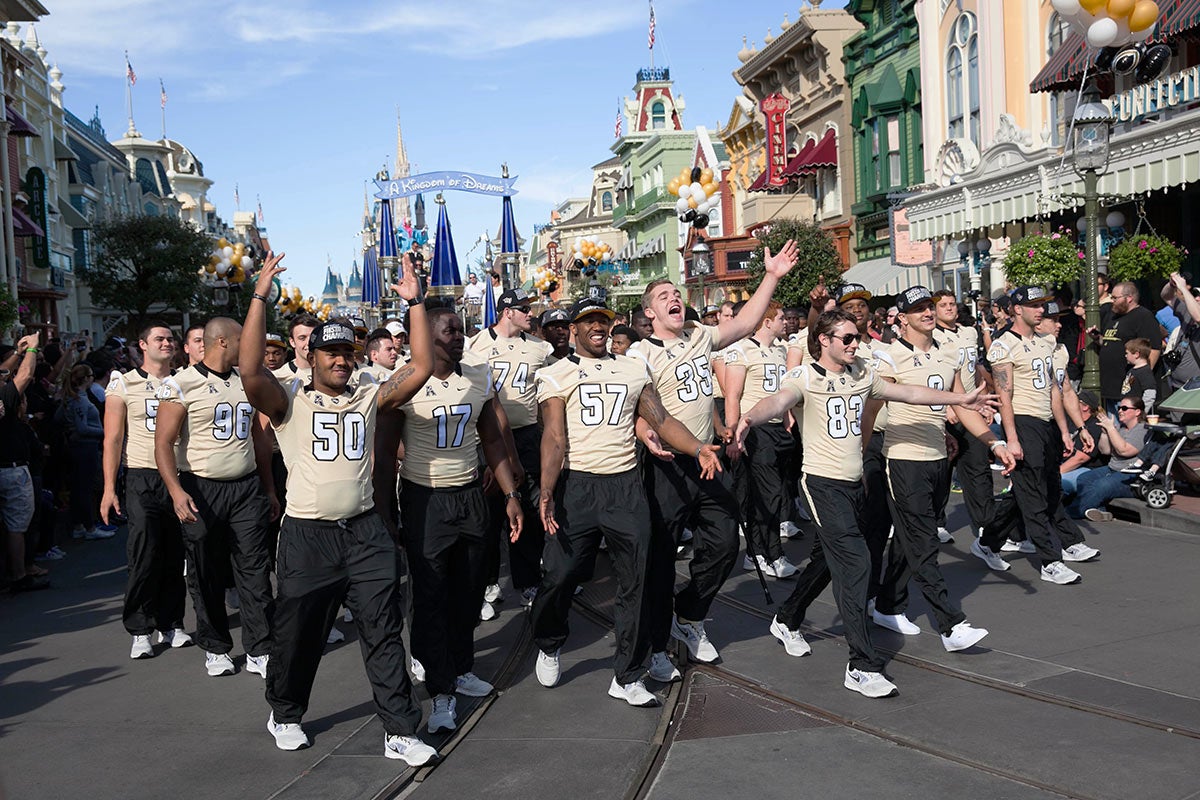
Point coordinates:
[(1122, 441), (1082, 460), (1139, 379)]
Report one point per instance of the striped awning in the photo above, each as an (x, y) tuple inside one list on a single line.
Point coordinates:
[(795, 165), (760, 183), (1064, 69), (881, 277)]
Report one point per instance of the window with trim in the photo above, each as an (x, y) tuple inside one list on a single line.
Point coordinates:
[(962, 80), (658, 115), (1056, 33), (877, 133), (893, 151), (606, 202)]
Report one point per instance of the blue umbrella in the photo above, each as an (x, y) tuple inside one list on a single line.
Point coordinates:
[(370, 286), (444, 271), (489, 303), (387, 231), (508, 228)]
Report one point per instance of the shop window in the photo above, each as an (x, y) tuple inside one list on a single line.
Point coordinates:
[(606, 203), (1056, 33), (658, 115), (893, 151), (876, 149), (962, 90)]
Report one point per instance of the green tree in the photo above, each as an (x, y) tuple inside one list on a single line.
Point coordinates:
[(817, 258), (144, 262)]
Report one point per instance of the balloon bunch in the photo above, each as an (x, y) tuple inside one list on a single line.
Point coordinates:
[(229, 261), (1128, 54), (1109, 23), (292, 301), (698, 195), (589, 251), (545, 280)]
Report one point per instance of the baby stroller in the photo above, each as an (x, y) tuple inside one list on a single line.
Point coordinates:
[(1176, 437)]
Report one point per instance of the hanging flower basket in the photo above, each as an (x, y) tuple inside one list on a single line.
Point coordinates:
[(1144, 256), (1044, 259)]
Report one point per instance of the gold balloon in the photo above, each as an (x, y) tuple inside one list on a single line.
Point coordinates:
[(210, 267), (222, 243), (1144, 14), (706, 175), (236, 275), (1092, 6), (239, 248), (692, 202), (710, 189), (1119, 9)]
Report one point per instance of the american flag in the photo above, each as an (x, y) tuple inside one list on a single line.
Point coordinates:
[(162, 93), (650, 44), (260, 214), (237, 197), (130, 75), (619, 125)]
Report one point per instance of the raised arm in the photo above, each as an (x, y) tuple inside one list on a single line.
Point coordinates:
[(410, 377), (114, 443), (493, 424), (746, 322), (925, 396), (675, 433), (554, 449), (27, 346), (262, 390)]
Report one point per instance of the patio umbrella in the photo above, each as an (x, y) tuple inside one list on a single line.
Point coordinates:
[(508, 228), (444, 271), (489, 303), (371, 281), (387, 231)]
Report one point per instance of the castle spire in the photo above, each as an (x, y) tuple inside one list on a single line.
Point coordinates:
[(401, 171)]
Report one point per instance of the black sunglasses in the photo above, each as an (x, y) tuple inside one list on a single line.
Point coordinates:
[(1126, 408), (847, 339)]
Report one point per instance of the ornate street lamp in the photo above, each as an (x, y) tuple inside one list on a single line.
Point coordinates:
[(1092, 126), (701, 264)]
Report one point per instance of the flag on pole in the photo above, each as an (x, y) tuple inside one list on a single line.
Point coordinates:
[(260, 214), (162, 93), (237, 198), (130, 75), (618, 126), (650, 44)]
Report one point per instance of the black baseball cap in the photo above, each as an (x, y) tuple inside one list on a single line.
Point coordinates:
[(1053, 309), (331, 334), (513, 298), (913, 297), (852, 291), (590, 305), (554, 315), (1089, 399), (359, 325), (1030, 295), (275, 340)]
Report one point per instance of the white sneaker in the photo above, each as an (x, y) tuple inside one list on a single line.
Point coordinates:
[(793, 641), (895, 622), (1079, 552), (492, 593), (347, 616), (661, 668), (442, 715), (409, 749), (782, 568), (1060, 573), (788, 529), (174, 638), (232, 600), (218, 664), (636, 694), (869, 684), (985, 554), (944, 536), (1025, 546), (335, 636), (288, 735), (547, 668), (692, 634), (472, 685), (487, 611), (99, 533), (528, 596), (257, 665), (417, 669), (141, 647), (1094, 514), (962, 636)]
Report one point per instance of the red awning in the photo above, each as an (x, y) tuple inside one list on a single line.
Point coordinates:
[(825, 153), (20, 125), (793, 168), (1064, 69), (24, 226), (760, 183)]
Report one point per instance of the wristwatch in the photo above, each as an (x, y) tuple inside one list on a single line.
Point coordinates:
[(512, 496)]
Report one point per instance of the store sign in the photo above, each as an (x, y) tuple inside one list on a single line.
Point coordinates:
[(1148, 99), (444, 181), (775, 107), (905, 251), (35, 188)]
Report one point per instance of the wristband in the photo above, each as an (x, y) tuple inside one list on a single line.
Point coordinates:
[(416, 301), (997, 443), (699, 450), (257, 296), (31, 349), (512, 495)]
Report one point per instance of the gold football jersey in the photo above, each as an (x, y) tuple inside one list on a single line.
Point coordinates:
[(601, 396), (1060, 358), (765, 368), (798, 343), (139, 392), (718, 390), (682, 374), (917, 433), (441, 437), (328, 445), (963, 342), (514, 361), (215, 439), (830, 424), (290, 370), (1032, 363)]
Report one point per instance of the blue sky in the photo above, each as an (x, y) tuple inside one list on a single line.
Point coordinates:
[(296, 102)]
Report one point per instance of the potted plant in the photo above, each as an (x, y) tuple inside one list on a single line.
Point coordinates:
[(1144, 256), (1044, 259)]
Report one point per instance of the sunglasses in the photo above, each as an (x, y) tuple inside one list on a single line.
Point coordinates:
[(1126, 408), (522, 309), (846, 339)]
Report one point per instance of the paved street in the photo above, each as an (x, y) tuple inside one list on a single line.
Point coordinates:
[(1075, 693)]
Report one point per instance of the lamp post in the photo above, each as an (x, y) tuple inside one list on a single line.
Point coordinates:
[(1092, 125), (701, 264)]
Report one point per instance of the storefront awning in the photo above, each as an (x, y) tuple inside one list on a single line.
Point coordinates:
[(760, 183), (24, 226), (71, 216), (825, 155), (20, 125), (881, 277), (795, 166), (63, 153)]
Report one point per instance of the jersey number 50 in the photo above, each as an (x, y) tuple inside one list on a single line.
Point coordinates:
[(334, 433)]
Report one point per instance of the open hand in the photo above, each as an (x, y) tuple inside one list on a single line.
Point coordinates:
[(267, 272), (409, 288), (782, 262)]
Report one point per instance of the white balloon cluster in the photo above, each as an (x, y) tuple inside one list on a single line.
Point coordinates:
[(229, 261), (589, 249), (1110, 23)]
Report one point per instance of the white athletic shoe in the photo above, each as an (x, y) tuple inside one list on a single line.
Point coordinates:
[(1079, 552), (288, 735), (417, 669), (661, 668), (869, 684), (793, 641), (218, 664), (636, 694), (257, 665), (492, 593), (1060, 573), (963, 636), (944, 536), (442, 715), (472, 685), (547, 668), (141, 647), (487, 611), (1025, 546), (409, 749), (174, 638), (782, 568), (335, 636), (692, 634), (988, 556), (895, 622), (788, 529), (347, 616)]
